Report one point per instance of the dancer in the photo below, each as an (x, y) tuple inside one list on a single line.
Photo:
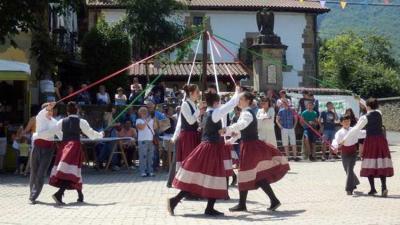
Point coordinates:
[(376, 159), (203, 173), (260, 163), (349, 152), (66, 173), (43, 150), (186, 132)]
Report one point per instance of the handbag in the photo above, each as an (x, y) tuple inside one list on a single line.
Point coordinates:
[(155, 137)]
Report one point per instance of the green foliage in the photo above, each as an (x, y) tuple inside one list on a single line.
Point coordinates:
[(361, 19), (152, 24), (362, 64), (106, 49)]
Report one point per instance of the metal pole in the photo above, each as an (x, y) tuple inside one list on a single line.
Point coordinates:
[(204, 62)]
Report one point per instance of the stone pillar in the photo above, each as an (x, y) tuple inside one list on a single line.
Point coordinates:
[(267, 70), (310, 67)]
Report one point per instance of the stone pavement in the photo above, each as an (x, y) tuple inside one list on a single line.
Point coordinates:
[(312, 193)]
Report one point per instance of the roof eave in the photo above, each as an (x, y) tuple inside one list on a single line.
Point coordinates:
[(226, 8)]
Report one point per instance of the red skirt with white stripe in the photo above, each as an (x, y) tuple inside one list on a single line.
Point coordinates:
[(203, 173), (187, 142), (376, 159), (67, 166), (228, 160), (260, 161)]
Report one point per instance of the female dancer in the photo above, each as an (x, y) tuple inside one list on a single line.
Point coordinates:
[(66, 173), (187, 129), (376, 159), (203, 173), (260, 163)]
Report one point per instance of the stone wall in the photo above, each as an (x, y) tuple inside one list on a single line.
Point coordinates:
[(390, 108), (310, 57)]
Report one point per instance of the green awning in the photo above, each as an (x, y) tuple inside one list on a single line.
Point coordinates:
[(13, 75)]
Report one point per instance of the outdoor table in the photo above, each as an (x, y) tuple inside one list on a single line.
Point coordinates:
[(116, 148)]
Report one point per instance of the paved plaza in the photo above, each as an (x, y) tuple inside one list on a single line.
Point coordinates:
[(312, 193)]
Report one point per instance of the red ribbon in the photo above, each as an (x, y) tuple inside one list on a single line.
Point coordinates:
[(123, 69)]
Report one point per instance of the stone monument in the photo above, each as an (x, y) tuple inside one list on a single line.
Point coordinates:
[(267, 70)]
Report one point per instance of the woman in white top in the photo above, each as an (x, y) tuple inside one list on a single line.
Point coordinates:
[(145, 126), (266, 126), (120, 97), (103, 98)]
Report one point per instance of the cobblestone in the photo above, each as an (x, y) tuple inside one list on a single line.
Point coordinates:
[(312, 193)]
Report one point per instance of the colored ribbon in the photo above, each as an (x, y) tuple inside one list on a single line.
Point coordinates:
[(126, 68)]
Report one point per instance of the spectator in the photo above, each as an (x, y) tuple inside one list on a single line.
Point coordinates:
[(303, 101), (136, 89), (109, 116), (310, 120), (328, 121), (353, 119), (128, 146), (282, 97), (272, 96), (84, 97), (254, 106), (287, 122), (23, 153), (265, 124), (70, 90), (58, 90), (315, 103), (131, 115), (159, 93), (168, 146), (146, 127), (102, 97), (3, 143), (104, 149), (120, 97)]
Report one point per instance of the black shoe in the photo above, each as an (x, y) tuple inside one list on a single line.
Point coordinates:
[(349, 192), (58, 199), (171, 204), (384, 193), (274, 206), (213, 212), (32, 201), (297, 159), (80, 197), (238, 208), (372, 192)]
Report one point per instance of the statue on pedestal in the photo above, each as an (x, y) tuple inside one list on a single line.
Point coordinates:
[(265, 23)]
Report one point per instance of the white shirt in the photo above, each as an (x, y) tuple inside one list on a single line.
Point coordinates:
[(83, 125), (244, 121), (146, 134), (279, 103), (103, 97), (359, 126), (43, 124), (221, 112), (351, 140), (266, 119), (187, 113)]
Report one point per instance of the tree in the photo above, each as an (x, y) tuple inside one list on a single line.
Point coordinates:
[(32, 16), (152, 24), (364, 65), (106, 49)]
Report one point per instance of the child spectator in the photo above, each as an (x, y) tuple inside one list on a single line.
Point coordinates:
[(328, 120), (102, 97), (120, 97), (145, 126), (287, 121), (310, 118), (23, 156)]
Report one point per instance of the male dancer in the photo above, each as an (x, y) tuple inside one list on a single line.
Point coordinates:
[(43, 150)]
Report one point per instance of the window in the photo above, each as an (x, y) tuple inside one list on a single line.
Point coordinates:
[(197, 20)]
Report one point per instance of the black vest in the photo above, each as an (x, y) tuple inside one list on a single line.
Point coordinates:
[(71, 129), (374, 125), (184, 123), (250, 133), (210, 132)]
